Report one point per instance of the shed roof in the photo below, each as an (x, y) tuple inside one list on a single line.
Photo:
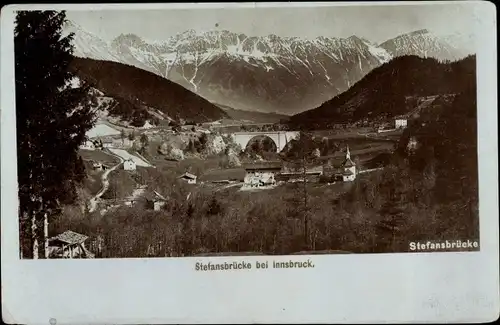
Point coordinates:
[(154, 196), (264, 165), (188, 175), (70, 237)]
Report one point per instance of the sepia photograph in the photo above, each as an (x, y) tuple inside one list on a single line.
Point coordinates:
[(200, 133)]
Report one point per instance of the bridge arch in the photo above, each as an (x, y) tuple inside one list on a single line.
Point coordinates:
[(265, 142), (280, 138)]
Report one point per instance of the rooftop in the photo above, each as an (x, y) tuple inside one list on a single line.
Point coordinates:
[(154, 196), (263, 165), (348, 163), (70, 237), (188, 175), (335, 162)]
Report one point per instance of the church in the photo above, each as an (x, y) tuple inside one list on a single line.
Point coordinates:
[(343, 170)]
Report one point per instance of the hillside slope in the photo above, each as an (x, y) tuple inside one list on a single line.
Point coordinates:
[(253, 116), (383, 92), (137, 89)]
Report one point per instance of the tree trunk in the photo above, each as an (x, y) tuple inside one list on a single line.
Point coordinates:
[(306, 219), (46, 234), (22, 233), (34, 237)]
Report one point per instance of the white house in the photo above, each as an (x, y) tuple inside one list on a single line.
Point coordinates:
[(107, 143), (97, 165), (400, 122), (129, 164), (348, 176), (261, 174), (188, 177)]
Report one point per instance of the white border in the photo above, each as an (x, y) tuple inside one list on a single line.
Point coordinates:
[(433, 287)]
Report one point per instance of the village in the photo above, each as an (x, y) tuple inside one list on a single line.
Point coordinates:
[(108, 149)]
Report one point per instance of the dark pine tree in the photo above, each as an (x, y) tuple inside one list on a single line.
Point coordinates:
[(214, 207), (52, 117), (191, 146), (144, 140)]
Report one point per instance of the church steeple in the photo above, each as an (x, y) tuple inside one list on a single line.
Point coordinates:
[(347, 153)]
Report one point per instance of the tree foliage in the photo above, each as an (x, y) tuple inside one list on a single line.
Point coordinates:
[(385, 90), (52, 116)]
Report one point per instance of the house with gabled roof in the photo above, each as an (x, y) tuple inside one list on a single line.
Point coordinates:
[(154, 200), (69, 244), (261, 173), (188, 177), (400, 122), (129, 164)]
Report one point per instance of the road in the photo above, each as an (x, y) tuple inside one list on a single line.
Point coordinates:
[(370, 170), (124, 154), (228, 186), (105, 184)]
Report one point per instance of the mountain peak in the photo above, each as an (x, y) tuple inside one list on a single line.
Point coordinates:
[(130, 39), (354, 38), (418, 32)]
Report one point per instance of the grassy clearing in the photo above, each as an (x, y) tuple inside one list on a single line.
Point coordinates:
[(92, 183), (98, 155), (121, 184), (223, 174)]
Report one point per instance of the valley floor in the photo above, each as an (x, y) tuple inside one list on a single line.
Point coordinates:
[(219, 215)]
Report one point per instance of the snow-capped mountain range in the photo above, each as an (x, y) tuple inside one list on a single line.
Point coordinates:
[(267, 74)]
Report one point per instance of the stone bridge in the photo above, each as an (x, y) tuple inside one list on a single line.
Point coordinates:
[(280, 138)]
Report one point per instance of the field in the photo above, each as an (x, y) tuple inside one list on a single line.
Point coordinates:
[(231, 174), (100, 130), (92, 183), (121, 185)]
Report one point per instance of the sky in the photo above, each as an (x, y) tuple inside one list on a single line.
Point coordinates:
[(375, 23)]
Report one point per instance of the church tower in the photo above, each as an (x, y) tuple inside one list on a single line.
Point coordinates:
[(349, 166)]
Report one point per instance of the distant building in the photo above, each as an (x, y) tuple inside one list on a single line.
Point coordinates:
[(107, 142), (343, 170), (400, 122), (88, 145), (129, 164), (97, 165), (155, 200), (261, 174), (122, 143), (69, 244), (296, 173), (188, 178)]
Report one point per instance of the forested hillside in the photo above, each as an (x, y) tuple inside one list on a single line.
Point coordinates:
[(382, 93), (136, 89)]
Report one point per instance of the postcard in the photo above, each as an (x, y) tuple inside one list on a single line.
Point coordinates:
[(249, 163)]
